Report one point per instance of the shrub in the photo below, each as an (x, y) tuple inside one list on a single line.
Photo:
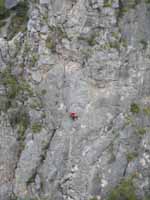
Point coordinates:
[(21, 9), (131, 156), (144, 43), (125, 7), (36, 127), (13, 86), (134, 108), (3, 11), (19, 119), (19, 20), (147, 1), (146, 110), (114, 45), (107, 3), (36, 104), (10, 83), (91, 40), (2, 4), (50, 43), (141, 130), (124, 191), (25, 87)]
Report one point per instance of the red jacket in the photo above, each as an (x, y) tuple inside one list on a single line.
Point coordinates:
[(73, 115)]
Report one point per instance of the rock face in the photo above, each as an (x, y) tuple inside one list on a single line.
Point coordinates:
[(91, 57), (10, 3)]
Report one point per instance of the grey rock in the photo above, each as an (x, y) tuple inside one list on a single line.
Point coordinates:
[(44, 1), (37, 76), (100, 67), (10, 3), (8, 158)]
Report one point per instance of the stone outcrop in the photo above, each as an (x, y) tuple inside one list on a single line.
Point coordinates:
[(90, 57)]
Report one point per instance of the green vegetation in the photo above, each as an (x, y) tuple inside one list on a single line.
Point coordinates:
[(91, 39), (50, 43), (34, 59), (147, 197), (129, 120), (25, 87), (94, 198), (19, 119), (115, 35), (59, 32), (133, 3), (146, 110), (131, 156), (124, 42), (3, 12), (2, 3), (10, 83), (124, 191), (125, 6), (107, 3), (114, 45), (141, 130), (138, 130), (122, 10), (19, 19), (23, 123), (2, 23), (144, 43), (147, 1), (31, 179), (134, 108), (13, 86), (117, 42), (36, 127), (36, 104), (55, 36), (16, 92)]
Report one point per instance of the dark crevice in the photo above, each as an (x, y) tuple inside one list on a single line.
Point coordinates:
[(43, 157), (125, 169)]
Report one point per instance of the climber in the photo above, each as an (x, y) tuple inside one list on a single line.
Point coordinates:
[(73, 115)]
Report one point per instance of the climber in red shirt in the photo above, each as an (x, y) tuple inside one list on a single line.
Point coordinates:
[(74, 115)]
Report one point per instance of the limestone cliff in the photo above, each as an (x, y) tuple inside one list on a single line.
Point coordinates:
[(91, 57)]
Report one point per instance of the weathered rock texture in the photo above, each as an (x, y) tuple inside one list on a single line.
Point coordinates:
[(91, 57)]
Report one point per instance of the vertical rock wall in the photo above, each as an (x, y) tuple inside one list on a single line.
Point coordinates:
[(90, 57)]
